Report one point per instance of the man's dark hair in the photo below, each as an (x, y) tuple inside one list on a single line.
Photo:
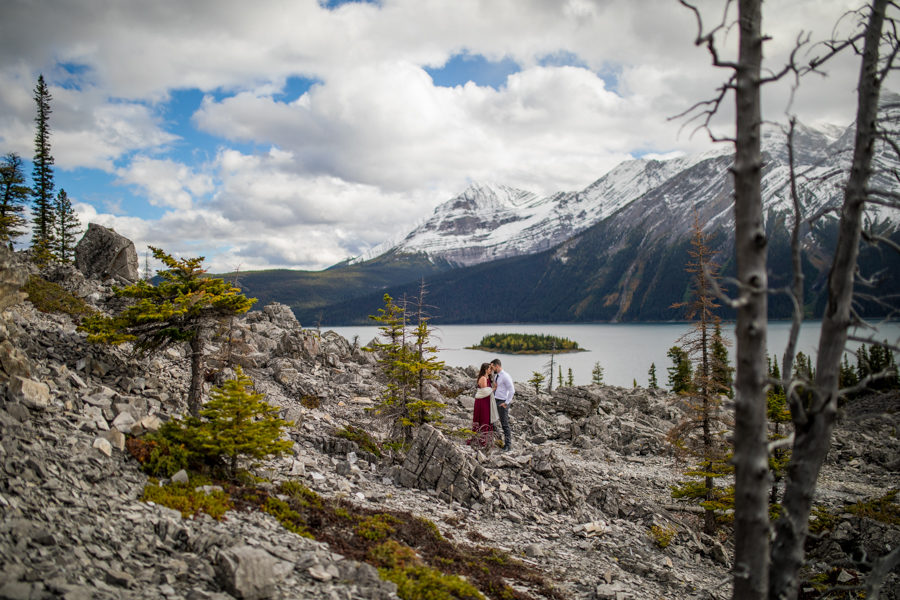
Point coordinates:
[(496, 361)]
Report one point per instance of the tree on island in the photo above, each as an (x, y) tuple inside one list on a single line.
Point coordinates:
[(526, 343), (13, 197), (184, 307), (42, 176)]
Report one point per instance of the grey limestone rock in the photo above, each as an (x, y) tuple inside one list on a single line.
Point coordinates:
[(247, 572), (102, 253), (433, 462), (31, 393), (12, 277)]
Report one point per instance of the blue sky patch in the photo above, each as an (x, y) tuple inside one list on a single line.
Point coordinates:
[(562, 58), (100, 190), (294, 87), (465, 67), (333, 4), (70, 76)]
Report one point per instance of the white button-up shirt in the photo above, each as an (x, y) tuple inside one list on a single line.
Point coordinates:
[(505, 389)]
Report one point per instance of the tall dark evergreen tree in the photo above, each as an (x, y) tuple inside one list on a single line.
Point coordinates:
[(652, 383), (67, 226), (13, 195), (42, 175)]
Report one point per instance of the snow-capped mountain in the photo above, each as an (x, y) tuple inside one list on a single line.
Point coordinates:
[(614, 251), (488, 222)]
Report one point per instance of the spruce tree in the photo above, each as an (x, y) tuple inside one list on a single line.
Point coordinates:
[(681, 371), (67, 228), (848, 377), (183, 308), (862, 362), (570, 378), (597, 374), (42, 177), (237, 422), (651, 374), (425, 364), (13, 196), (407, 358), (537, 379), (722, 373), (701, 434), (779, 414)]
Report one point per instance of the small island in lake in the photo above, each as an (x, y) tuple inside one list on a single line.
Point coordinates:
[(526, 343)]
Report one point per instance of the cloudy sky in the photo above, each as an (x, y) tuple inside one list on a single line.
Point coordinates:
[(297, 133)]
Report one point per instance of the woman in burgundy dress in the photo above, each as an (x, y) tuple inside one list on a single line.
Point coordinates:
[(481, 415)]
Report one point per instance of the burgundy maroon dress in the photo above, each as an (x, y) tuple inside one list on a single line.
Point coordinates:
[(481, 422)]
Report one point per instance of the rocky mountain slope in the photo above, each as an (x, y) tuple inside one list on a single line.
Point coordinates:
[(576, 499)]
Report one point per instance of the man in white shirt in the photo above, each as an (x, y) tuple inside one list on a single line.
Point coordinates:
[(503, 395)]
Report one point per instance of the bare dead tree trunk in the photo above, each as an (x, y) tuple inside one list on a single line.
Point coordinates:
[(751, 530), (196, 388), (813, 426)]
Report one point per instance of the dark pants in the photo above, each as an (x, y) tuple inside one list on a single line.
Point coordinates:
[(504, 423)]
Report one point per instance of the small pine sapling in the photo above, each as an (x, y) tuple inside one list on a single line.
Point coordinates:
[(537, 379), (597, 374)]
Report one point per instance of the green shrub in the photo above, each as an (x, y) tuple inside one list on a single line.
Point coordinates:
[(362, 438), (289, 518), (391, 554), (821, 520), (420, 582), (302, 494), (50, 298), (234, 424), (662, 535), (185, 498), (158, 456), (377, 527), (432, 529), (884, 509), (309, 401)]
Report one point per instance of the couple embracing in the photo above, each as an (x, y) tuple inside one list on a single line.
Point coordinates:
[(493, 398)]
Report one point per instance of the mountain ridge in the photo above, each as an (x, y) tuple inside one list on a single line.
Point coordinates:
[(616, 250)]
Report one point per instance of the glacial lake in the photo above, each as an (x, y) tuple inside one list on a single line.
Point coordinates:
[(624, 350)]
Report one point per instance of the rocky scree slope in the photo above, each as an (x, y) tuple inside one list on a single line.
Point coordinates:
[(588, 477)]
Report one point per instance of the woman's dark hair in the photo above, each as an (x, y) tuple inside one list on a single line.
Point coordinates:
[(484, 369)]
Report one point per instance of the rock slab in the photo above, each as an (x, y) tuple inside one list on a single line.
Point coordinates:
[(105, 254)]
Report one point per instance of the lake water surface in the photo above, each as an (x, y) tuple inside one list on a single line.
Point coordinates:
[(624, 350)]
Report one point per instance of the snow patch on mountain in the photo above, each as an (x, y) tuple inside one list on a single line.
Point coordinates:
[(491, 221)]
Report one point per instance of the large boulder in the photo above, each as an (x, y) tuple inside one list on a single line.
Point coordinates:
[(12, 277), (435, 463), (104, 254)]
